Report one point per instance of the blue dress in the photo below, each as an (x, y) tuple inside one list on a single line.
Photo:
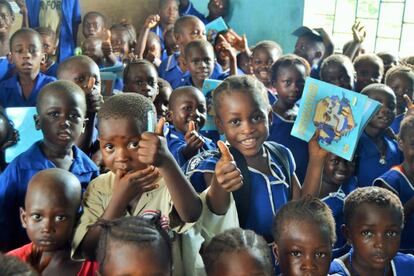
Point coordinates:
[(396, 180)]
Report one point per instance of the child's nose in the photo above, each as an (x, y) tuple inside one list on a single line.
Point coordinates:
[(308, 264), (121, 155), (48, 226)]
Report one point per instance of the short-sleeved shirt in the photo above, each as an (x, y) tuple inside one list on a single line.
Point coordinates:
[(5, 68), (395, 126), (11, 93), (13, 187), (50, 15), (368, 165), (397, 181)]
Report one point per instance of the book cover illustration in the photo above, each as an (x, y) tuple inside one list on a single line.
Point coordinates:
[(340, 114), (214, 27), (22, 118), (208, 86)]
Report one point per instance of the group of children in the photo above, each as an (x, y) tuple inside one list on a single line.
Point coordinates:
[(131, 183)]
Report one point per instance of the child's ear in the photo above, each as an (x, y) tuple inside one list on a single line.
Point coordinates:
[(275, 250), (23, 217), (219, 124), (36, 120), (345, 231), (169, 116), (44, 58)]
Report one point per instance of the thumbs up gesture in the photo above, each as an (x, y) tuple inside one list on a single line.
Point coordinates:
[(194, 141), (152, 147), (106, 44), (227, 175)]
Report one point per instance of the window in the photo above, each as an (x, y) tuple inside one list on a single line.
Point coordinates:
[(389, 23)]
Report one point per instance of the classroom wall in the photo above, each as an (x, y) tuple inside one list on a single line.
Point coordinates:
[(264, 19)]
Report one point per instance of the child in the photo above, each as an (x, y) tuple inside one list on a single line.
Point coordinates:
[(26, 54), (162, 100), (266, 169), (369, 69), (216, 8), (377, 150), (304, 232), (243, 62), (237, 252), (99, 51), (93, 24), (140, 76), (149, 44), (49, 66), (389, 61), (123, 40), (187, 114), (143, 176), (401, 80), (134, 246), (9, 136), (398, 180), (170, 44), (168, 14), (11, 266), (264, 54), (338, 70), (83, 71), (355, 47), (374, 219), (288, 75), (61, 110), (7, 21), (63, 18), (338, 181), (49, 215)]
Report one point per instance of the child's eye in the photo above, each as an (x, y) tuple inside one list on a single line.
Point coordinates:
[(133, 145), (296, 253), (287, 82), (235, 122), (53, 114), (320, 255), (391, 233), (366, 233), (109, 148), (74, 115), (36, 217), (60, 218), (187, 108), (257, 118)]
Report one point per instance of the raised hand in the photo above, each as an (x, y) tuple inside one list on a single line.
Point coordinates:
[(358, 32), (315, 150), (227, 175), (410, 106), (151, 21), (194, 141)]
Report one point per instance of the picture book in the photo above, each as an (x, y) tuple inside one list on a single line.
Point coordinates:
[(214, 27), (340, 115), (208, 86)]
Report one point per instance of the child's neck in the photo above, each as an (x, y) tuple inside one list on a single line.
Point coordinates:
[(27, 82), (327, 187), (287, 111), (259, 162), (61, 157), (60, 262), (375, 133), (197, 83)]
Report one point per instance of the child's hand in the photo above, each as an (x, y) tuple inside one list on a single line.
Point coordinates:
[(227, 175), (12, 140), (152, 148), (22, 6), (194, 141), (315, 151), (238, 42), (152, 21), (225, 47), (94, 99), (36, 261), (410, 106), (358, 32)]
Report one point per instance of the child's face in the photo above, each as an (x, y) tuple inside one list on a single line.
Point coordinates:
[(217, 8), (93, 49), (93, 26), (304, 251), (200, 63), (307, 49), (386, 114), (339, 75), (244, 262), (118, 139), (169, 12), (189, 106), (119, 41), (137, 261), (374, 233), (142, 79), (170, 43), (290, 82), (48, 217), (389, 62), (367, 73), (261, 61), (337, 170), (244, 121), (61, 118), (162, 100), (5, 129), (192, 30), (244, 64), (6, 19), (152, 49), (49, 45), (401, 84), (27, 53)]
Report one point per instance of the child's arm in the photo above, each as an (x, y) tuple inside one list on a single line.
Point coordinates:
[(226, 47), (194, 142), (23, 12), (359, 34), (109, 55), (226, 179), (154, 151), (150, 22)]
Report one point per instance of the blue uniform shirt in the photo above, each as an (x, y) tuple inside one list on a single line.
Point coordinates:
[(5, 68), (368, 164), (396, 180), (268, 192), (191, 10), (12, 95), (14, 181), (395, 126), (52, 70), (176, 144)]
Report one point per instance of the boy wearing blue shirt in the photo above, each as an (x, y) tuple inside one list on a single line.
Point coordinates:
[(216, 8), (26, 53), (61, 109), (168, 12)]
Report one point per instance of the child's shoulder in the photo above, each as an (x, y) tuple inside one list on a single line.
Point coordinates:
[(395, 178), (404, 263), (22, 252), (338, 267)]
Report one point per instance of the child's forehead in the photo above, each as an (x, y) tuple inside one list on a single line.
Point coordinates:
[(124, 126), (91, 18), (369, 212), (27, 38), (200, 51), (142, 69)]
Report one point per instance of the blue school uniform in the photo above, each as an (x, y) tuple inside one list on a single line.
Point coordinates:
[(401, 265), (52, 70), (395, 126), (368, 164), (191, 10), (70, 20), (12, 95), (396, 180), (271, 96), (5, 68), (335, 201), (268, 192), (171, 72), (14, 181), (159, 31), (176, 144), (279, 132)]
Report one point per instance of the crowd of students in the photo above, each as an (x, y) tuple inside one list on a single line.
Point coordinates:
[(131, 183)]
